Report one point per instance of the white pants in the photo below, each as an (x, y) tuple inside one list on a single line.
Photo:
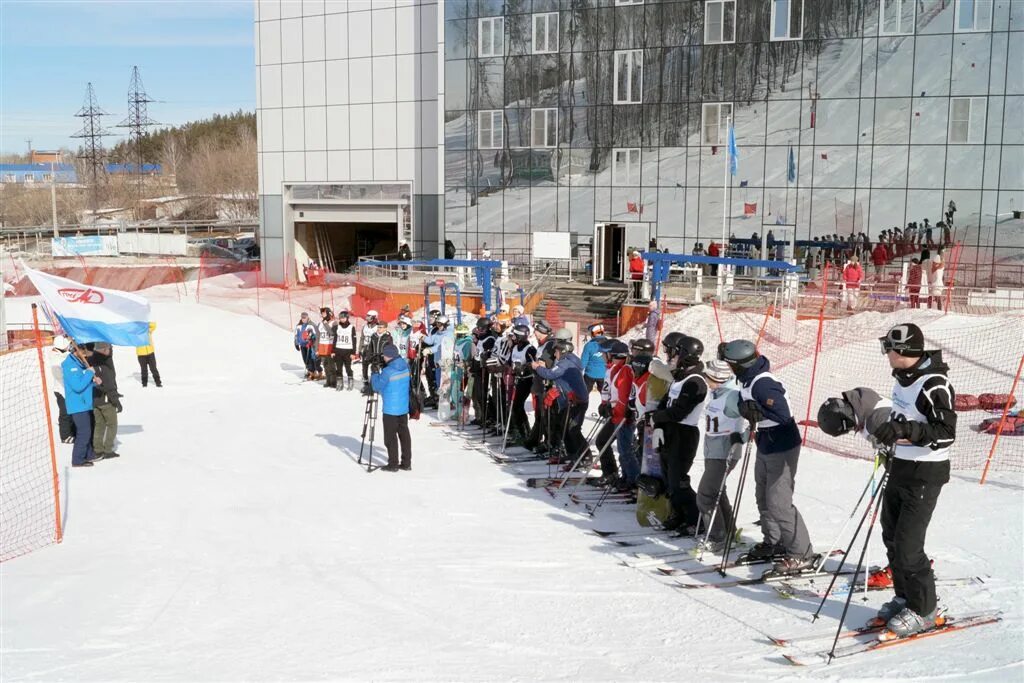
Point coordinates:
[(849, 297)]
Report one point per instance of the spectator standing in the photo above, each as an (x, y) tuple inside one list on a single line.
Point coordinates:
[(392, 383), (914, 282), (636, 273), (853, 275), (449, 250), (147, 359), (878, 258), (106, 402), (651, 326), (937, 284), (79, 380), (713, 250), (305, 344)]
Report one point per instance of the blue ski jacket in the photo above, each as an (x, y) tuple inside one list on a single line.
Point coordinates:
[(567, 375), (392, 383), (770, 396), (592, 358), (77, 385)]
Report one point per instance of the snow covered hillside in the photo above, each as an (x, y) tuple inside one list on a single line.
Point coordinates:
[(237, 539)]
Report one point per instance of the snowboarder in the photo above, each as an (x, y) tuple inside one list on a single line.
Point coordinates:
[(725, 432), (391, 381), (305, 343), (325, 337), (344, 347), (677, 431), (147, 359), (592, 357), (765, 405), (618, 386), (921, 428)]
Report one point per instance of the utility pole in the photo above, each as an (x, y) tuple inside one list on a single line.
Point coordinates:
[(92, 135), (137, 122), (53, 199)]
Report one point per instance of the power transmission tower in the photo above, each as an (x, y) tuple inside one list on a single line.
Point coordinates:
[(92, 135), (137, 122)]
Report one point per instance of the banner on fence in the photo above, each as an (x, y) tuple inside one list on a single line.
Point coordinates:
[(90, 245)]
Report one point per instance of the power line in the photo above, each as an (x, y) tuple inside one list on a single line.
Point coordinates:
[(92, 135), (137, 122)]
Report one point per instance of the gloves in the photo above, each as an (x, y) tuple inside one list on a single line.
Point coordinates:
[(355, 357), (116, 402), (550, 396), (604, 410), (890, 432), (296, 347), (751, 411), (657, 438), (735, 439)]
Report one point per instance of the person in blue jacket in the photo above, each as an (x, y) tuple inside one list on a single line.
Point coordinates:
[(79, 379), (392, 383), (570, 391), (592, 358)]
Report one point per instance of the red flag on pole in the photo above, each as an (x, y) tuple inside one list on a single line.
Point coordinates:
[(749, 208)]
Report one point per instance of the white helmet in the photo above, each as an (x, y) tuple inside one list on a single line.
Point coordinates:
[(371, 314), (405, 320), (504, 308), (442, 319), (564, 334), (518, 310)]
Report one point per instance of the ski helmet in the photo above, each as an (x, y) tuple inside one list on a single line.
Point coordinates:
[(385, 338), (434, 313), (641, 347), (689, 349), (640, 363), (371, 314), (521, 332), (738, 353), (442, 320), (670, 341), (504, 308), (564, 346), (617, 349), (596, 330), (461, 330), (405, 320), (482, 323), (718, 371), (906, 340), (343, 313), (542, 327), (835, 417), (328, 311), (564, 333)]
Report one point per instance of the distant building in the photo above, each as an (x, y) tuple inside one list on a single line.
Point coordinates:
[(38, 156), (43, 172)]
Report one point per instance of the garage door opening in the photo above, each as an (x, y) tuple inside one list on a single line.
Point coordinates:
[(338, 245)]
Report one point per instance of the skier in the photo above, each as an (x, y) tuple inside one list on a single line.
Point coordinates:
[(460, 383), (618, 386), (344, 347), (676, 431), (545, 353), (429, 362), (305, 343), (325, 335), (853, 275), (391, 381), (106, 402), (764, 404), (147, 359), (725, 432), (592, 357), (79, 380), (403, 337), (365, 336), (519, 316), (433, 347), (483, 346), (921, 428), (522, 358), (568, 389)]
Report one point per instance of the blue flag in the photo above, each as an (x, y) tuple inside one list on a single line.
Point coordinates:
[(734, 153), (791, 172)]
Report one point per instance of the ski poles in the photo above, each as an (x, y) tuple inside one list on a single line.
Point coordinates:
[(599, 454), (744, 468), (582, 454), (853, 513), (508, 421), (714, 510)]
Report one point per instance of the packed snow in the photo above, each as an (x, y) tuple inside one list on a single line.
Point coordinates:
[(237, 539)]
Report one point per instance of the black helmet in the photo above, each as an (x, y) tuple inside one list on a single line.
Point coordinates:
[(520, 332), (641, 347), (670, 341), (564, 346), (482, 323), (906, 339), (616, 349), (640, 364), (689, 349), (835, 417), (739, 353), (542, 327)]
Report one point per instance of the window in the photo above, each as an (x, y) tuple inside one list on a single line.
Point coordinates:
[(629, 2), (491, 129), (29, 178), (715, 123), (9, 178), (629, 76), (787, 19), (626, 166), (896, 17), (544, 127), (47, 177), (545, 32), (973, 15), (720, 21), (491, 37), (967, 120)]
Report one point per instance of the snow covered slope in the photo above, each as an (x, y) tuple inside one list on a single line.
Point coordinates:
[(236, 539)]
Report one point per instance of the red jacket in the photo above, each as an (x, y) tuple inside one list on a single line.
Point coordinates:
[(636, 268), (713, 249), (853, 274), (914, 276), (878, 255), (619, 387)]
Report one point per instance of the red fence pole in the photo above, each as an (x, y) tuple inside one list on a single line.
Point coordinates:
[(957, 249), (1002, 420), (718, 324), (764, 324), (49, 423), (814, 370)]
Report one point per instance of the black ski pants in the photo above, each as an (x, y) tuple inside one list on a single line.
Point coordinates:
[(908, 501), (677, 454), (431, 372), (575, 443), (396, 433), (330, 371), (520, 423), (343, 361), (592, 382), (540, 421), (557, 428), (147, 362)]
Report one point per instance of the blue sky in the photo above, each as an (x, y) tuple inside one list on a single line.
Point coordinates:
[(195, 59)]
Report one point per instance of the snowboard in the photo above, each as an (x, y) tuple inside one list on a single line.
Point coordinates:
[(444, 390), (651, 511)]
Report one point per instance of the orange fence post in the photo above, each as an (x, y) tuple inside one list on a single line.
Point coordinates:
[(1002, 420), (764, 324), (814, 370), (88, 278), (718, 324), (49, 423), (957, 249)]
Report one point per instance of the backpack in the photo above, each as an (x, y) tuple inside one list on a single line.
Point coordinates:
[(995, 401)]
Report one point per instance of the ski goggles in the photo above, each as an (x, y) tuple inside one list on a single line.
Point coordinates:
[(898, 339)]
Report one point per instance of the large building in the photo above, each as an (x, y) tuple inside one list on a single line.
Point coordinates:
[(485, 121)]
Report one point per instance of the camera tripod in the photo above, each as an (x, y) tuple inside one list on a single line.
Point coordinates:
[(369, 425)]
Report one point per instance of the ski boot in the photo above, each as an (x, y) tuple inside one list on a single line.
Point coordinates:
[(367, 390), (761, 552), (348, 383), (886, 612), (793, 565), (880, 579), (908, 623)]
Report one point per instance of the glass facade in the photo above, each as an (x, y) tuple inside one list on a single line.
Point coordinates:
[(850, 115)]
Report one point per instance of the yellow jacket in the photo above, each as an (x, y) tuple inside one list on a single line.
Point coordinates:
[(148, 348)]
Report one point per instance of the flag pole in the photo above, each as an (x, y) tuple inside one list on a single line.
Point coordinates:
[(725, 182)]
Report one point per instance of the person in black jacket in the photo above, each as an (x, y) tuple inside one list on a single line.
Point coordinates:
[(106, 402)]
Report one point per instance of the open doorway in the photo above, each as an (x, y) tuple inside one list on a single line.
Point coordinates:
[(337, 246), (612, 241)]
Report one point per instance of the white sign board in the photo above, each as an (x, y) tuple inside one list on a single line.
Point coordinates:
[(167, 244), (90, 245), (550, 245)]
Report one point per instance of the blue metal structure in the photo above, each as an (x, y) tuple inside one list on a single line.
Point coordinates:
[(662, 263), (443, 287), (482, 271)]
